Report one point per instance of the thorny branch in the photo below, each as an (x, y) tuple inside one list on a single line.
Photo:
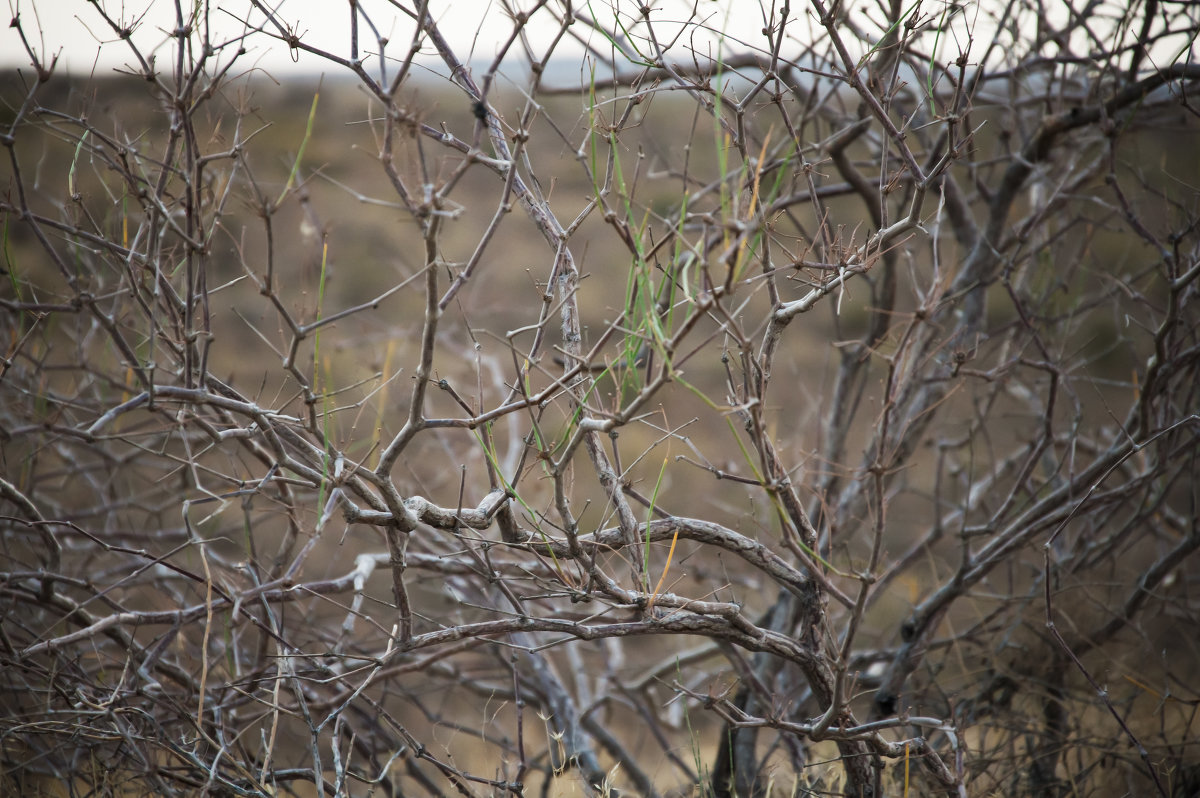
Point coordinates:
[(825, 417)]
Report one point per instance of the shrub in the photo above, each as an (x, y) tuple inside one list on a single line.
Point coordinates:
[(637, 409)]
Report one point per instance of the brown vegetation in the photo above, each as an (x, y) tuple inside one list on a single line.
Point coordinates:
[(808, 415)]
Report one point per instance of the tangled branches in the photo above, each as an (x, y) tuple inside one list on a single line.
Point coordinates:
[(644, 409)]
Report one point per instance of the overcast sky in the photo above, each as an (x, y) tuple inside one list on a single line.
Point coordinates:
[(76, 30)]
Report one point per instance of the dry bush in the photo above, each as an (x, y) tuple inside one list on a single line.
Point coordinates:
[(638, 410)]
